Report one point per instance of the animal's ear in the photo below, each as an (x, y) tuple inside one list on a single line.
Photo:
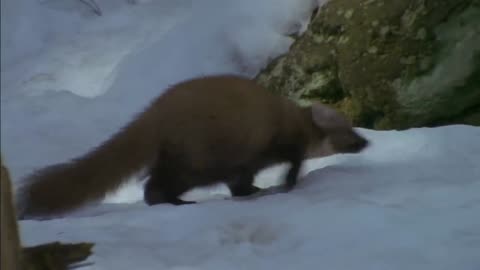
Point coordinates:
[(326, 117)]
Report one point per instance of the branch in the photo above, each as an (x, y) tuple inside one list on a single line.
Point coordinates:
[(93, 5)]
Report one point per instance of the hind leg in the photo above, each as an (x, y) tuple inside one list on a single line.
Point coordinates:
[(165, 185), (156, 194), (242, 185), (175, 188), (153, 193)]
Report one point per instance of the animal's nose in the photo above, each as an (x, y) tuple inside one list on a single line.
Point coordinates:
[(360, 144), (364, 143)]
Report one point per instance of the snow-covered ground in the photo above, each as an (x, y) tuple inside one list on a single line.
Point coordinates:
[(411, 201), (71, 78)]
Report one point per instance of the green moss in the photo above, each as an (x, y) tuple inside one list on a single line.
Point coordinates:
[(374, 60)]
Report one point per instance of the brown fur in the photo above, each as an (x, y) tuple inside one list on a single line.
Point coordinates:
[(202, 131), (10, 238)]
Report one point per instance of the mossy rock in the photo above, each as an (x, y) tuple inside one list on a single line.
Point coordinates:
[(387, 64)]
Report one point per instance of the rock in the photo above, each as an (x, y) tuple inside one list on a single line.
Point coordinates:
[(387, 64)]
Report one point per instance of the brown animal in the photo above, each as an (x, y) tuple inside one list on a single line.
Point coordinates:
[(199, 132)]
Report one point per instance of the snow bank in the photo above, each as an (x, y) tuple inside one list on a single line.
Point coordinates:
[(409, 202)]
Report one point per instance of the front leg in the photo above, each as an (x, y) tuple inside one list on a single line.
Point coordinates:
[(296, 159)]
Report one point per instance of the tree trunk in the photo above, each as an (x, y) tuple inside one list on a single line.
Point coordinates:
[(10, 240), (50, 256)]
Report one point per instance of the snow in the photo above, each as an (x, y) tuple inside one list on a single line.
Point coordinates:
[(410, 201), (71, 78)]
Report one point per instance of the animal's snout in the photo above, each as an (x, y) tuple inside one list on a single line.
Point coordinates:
[(359, 144)]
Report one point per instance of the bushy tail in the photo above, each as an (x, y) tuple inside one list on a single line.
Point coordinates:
[(63, 187)]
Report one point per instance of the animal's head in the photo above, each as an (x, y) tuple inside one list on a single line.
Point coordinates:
[(338, 133)]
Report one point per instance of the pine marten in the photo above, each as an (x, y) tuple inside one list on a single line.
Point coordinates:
[(202, 131)]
